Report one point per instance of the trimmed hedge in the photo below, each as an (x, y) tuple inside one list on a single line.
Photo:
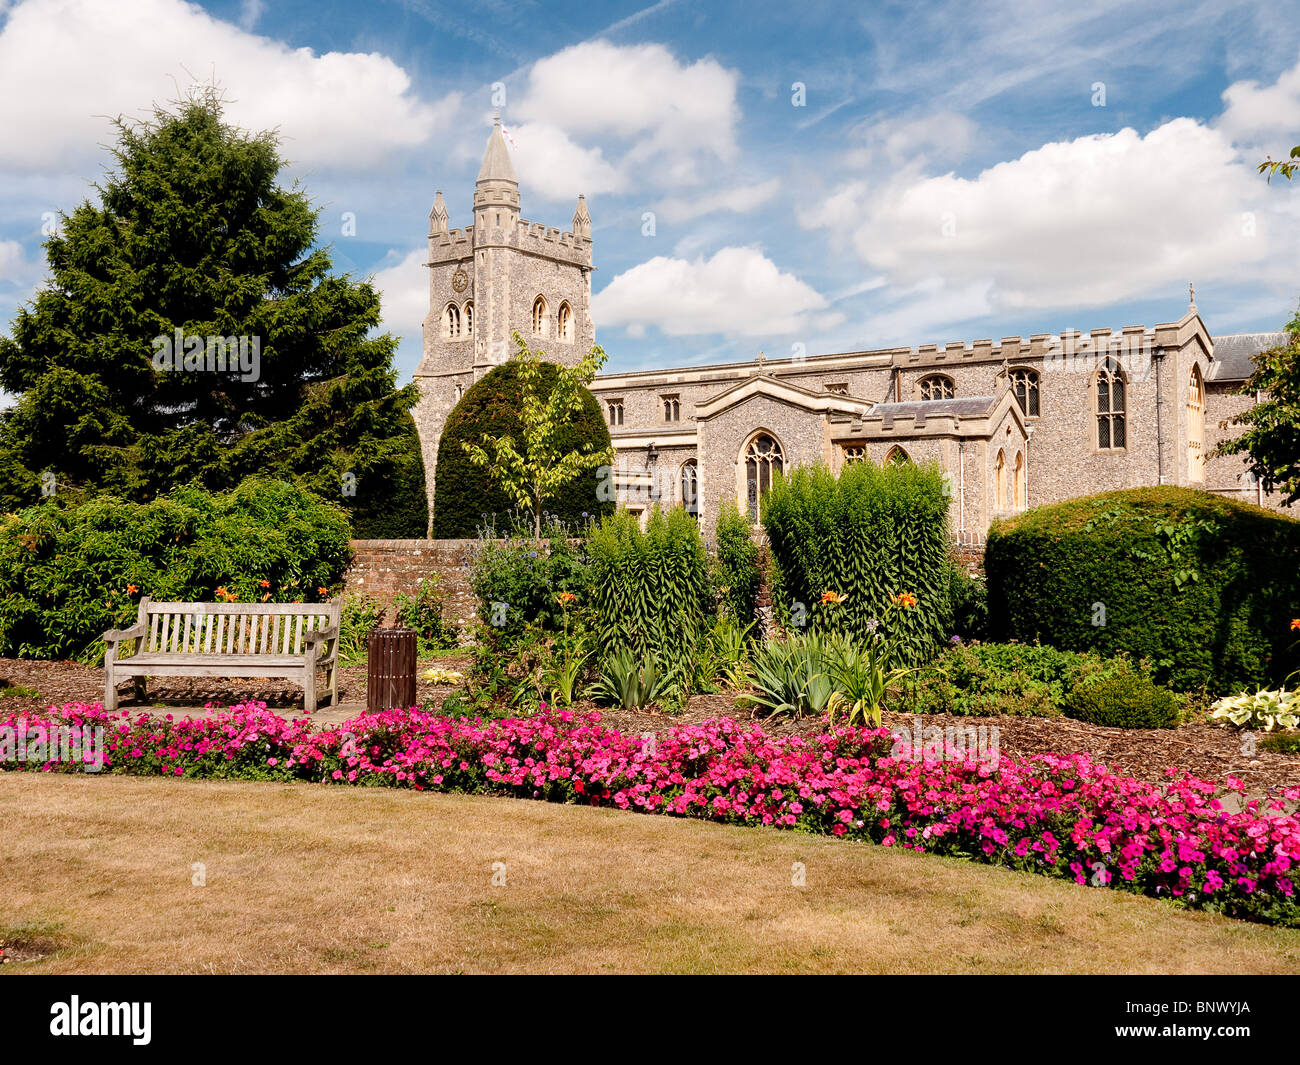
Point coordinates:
[(466, 499), (70, 573), (1203, 586), (873, 532)]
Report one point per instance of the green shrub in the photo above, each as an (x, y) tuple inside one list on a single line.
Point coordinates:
[(359, 615), (1264, 709), (69, 573), (1201, 585), (875, 532), (466, 499), (970, 604), (1124, 699), (518, 583), (651, 590), (390, 502), (1004, 678), (423, 613), (1281, 743), (736, 572)]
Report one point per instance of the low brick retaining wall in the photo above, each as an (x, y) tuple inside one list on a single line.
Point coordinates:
[(384, 569)]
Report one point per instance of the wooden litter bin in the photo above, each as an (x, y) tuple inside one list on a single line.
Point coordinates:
[(390, 669)]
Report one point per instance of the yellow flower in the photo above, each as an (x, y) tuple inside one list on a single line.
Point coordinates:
[(565, 598), (904, 599), (834, 598), (1295, 623)]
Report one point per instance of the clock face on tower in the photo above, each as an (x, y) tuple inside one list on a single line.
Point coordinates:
[(460, 281)]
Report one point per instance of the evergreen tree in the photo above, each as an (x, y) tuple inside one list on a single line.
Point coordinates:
[(193, 332)]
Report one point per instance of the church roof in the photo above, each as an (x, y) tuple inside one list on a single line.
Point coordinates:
[(1234, 356), (964, 407), (496, 159)]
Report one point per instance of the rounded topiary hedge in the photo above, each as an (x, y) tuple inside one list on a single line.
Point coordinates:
[(1203, 586), (465, 497)]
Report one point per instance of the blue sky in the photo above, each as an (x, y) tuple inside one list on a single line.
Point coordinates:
[(950, 171)]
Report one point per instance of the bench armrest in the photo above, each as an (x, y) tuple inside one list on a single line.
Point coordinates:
[(314, 639), (133, 633)]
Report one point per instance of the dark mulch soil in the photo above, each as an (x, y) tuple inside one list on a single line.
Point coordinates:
[(1208, 751), (66, 682)]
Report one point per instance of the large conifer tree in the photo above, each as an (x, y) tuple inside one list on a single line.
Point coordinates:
[(193, 237)]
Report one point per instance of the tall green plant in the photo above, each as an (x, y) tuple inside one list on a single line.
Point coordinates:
[(736, 573), (651, 589), (871, 534)]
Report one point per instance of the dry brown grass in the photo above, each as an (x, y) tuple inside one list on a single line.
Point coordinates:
[(310, 879)]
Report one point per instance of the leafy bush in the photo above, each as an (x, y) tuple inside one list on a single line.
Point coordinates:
[(873, 533), (359, 615), (1264, 710), (651, 590), (1005, 678), (69, 573), (1201, 585), (736, 571), (423, 613), (1124, 699), (970, 604), (1281, 743), (466, 499), (519, 583)]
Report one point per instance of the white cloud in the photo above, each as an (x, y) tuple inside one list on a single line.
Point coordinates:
[(1266, 116), (740, 199), (550, 165), (675, 120), (737, 292), (907, 143), (1096, 220), (13, 262), (250, 11), (65, 65), (404, 292)]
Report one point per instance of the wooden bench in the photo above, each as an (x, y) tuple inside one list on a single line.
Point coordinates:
[(290, 640)]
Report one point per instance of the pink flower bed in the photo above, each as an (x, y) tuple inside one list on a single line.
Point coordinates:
[(1062, 815)]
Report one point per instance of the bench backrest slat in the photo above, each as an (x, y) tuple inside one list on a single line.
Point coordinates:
[(235, 628)]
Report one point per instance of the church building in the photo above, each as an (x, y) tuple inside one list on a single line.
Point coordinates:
[(1014, 423)]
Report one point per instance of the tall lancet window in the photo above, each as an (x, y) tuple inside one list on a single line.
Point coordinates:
[(763, 460)]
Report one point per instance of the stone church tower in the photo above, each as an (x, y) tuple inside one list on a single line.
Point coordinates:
[(498, 275)]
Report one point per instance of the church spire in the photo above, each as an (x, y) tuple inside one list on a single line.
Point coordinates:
[(496, 159), (581, 219), (497, 185), (438, 218)]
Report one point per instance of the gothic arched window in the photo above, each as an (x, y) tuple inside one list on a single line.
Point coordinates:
[(1024, 383), (936, 386), (763, 459), (469, 318), (691, 487), (1112, 433), (539, 317), (897, 454), (1000, 482), (451, 322), (564, 322), (1018, 485)]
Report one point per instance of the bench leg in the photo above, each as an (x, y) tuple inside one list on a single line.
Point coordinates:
[(110, 691), (332, 682), (309, 691), (141, 689)]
